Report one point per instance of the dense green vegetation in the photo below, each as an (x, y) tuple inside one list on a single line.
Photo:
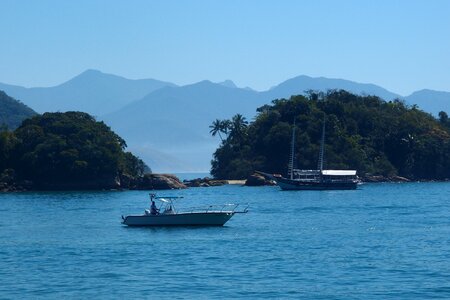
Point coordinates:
[(57, 150), (13, 112), (362, 132)]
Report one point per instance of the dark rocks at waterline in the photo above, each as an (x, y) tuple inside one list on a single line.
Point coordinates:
[(258, 180), (381, 178), (252, 180), (21, 186), (159, 182), (10, 183), (204, 182)]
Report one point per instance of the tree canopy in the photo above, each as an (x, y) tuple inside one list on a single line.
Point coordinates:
[(59, 148), (362, 132)]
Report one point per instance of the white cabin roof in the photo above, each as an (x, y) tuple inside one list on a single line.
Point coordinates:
[(339, 172)]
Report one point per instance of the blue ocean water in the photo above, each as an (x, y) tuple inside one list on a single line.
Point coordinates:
[(379, 242)]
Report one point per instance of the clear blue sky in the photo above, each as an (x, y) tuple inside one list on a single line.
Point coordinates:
[(400, 45)]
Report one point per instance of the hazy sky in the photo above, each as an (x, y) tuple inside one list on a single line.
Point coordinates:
[(400, 45)]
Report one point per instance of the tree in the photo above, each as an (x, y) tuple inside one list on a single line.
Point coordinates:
[(238, 126), (443, 117), (219, 126)]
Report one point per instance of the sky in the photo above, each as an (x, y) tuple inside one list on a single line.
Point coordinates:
[(400, 45)]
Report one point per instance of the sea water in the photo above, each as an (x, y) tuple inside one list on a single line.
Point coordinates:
[(378, 242)]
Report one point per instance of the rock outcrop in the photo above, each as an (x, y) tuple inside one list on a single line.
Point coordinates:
[(381, 178), (159, 182), (258, 180), (9, 183), (204, 182)]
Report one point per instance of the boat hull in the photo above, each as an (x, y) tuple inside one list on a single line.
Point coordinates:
[(181, 219), (287, 184)]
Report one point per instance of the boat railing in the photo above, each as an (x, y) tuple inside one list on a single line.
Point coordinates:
[(231, 208), (349, 179)]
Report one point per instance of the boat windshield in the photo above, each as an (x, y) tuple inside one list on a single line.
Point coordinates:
[(164, 200), (167, 206)]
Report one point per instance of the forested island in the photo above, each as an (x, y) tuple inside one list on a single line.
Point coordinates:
[(376, 138), (61, 151)]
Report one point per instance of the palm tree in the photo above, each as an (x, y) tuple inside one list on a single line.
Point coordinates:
[(216, 127), (219, 126), (226, 126), (238, 125)]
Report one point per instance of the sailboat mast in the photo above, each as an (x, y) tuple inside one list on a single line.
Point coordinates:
[(322, 146), (291, 158)]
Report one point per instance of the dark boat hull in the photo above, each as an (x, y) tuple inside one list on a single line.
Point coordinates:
[(288, 184), (181, 219)]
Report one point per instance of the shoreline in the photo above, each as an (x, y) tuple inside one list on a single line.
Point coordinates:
[(159, 182), (231, 182)]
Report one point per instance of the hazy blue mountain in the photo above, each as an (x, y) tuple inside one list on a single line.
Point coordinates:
[(175, 121), (430, 101), (92, 91), (300, 84), (228, 83), (13, 112), (190, 108)]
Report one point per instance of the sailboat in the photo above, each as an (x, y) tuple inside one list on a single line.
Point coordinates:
[(319, 179)]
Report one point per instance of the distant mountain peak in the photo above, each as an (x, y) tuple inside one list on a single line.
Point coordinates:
[(200, 84), (206, 81), (91, 91), (228, 83), (423, 91), (92, 71), (430, 100), (303, 83), (91, 74)]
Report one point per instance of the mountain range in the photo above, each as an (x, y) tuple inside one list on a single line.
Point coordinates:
[(168, 125), (92, 91)]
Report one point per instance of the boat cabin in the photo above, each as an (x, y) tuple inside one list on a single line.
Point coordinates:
[(324, 175)]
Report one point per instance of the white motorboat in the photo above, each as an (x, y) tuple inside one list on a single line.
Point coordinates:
[(168, 215)]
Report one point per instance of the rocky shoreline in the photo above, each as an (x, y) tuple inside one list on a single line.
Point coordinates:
[(204, 182), (8, 182), (252, 180), (380, 178)]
